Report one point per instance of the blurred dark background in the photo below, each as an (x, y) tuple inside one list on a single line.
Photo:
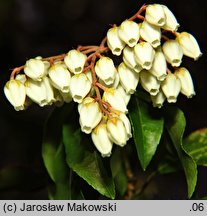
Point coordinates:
[(44, 28)]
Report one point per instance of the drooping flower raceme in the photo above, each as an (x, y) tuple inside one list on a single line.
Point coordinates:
[(145, 53)]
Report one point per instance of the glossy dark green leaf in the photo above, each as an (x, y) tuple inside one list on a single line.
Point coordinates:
[(86, 162), (196, 146), (147, 130), (119, 171), (175, 123)]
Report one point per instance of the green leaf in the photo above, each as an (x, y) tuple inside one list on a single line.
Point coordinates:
[(119, 171), (175, 123), (147, 130), (86, 162), (196, 146)]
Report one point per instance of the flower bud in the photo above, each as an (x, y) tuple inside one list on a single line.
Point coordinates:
[(128, 78), (21, 77), (115, 99), (158, 99), (101, 140), (159, 66), (60, 77), (171, 87), (187, 87), (150, 33), (127, 124), (144, 54), (129, 32), (129, 59), (35, 69), (79, 87), (123, 93), (106, 70), (75, 61), (149, 82), (189, 45), (114, 42), (155, 14), (171, 23), (117, 131), (173, 52), (15, 92), (90, 114), (40, 92)]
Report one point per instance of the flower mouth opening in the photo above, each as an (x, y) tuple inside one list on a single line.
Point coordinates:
[(171, 99), (78, 69), (154, 92)]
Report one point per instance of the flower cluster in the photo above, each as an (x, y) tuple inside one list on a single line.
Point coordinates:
[(102, 89)]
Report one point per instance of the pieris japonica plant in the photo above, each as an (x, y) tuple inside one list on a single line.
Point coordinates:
[(113, 108)]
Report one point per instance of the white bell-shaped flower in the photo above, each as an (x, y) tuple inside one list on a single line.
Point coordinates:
[(114, 42), (144, 54), (159, 66), (15, 92), (115, 99), (128, 78), (171, 23), (79, 87), (187, 87), (49, 90), (35, 69), (129, 59), (60, 77), (129, 32), (101, 140), (155, 14), (90, 114), (171, 87), (37, 91), (123, 93), (149, 82), (117, 131), (106, 70), (75, 61), (89, 75), (127, 124), (173, 52), (158, 99), (189, 45), (150, 33)]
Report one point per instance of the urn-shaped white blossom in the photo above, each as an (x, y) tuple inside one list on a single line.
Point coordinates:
[(187, 87), (128, 78), (115, 99), (114, 42), (123, 93), (155, 14), (127, 124), (171, 87), (117, 131), (129, 32), (79, 87), (106, 70), (129, 59), (101, 140), (149, 82), (15, 92), (189, 45), (60, 77), (158, 99), (36, 69), (75, 61), (159, 66), (90, 114), (40, 92), (144, 54), (173, 52), (171, 23), (150, 33)]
